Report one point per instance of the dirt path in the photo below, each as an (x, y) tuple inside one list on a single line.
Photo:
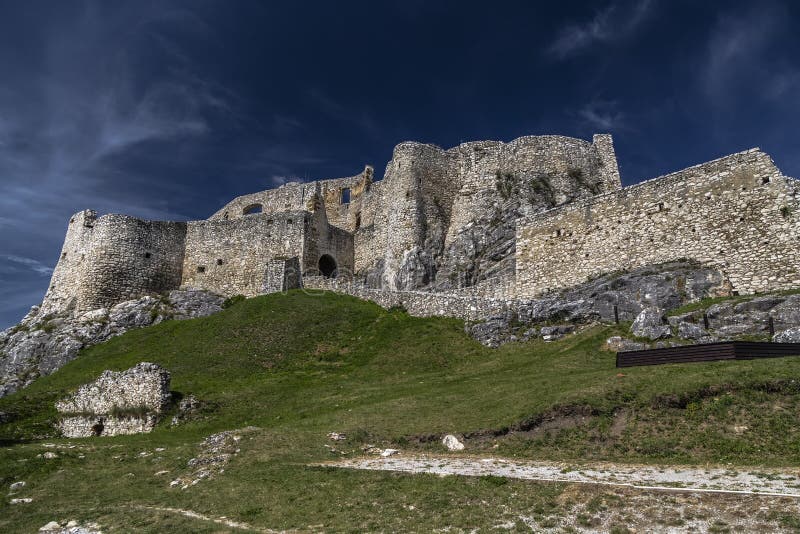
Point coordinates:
[(238, 525), (771, 482)]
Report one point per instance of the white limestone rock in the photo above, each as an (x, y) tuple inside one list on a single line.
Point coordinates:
[(690, 331), (452, 443), (620, 344), (791, 335), (651, 324)]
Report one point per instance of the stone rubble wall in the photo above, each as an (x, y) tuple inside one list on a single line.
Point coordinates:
[(145, 386), (737, 213), (99, 408), (401, 224), (296, 196), (417, 303), (322, 238), (429, 195), (105, 425)]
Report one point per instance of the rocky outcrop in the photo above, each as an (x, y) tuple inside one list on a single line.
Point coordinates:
[(216, 451), (452, 443), (127, 402), (652, 324), (665, 286), (743, 318), (42, 343), (792, 335)]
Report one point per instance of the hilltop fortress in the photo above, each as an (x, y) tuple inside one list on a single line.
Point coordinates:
[(452, 232)]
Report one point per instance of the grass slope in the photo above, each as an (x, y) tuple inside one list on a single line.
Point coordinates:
[(298, 366)]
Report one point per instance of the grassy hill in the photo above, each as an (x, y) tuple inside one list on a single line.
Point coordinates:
[(298, 366)]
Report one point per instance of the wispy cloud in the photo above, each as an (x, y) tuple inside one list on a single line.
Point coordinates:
[(29, 263), (603, 116), (86, 122), (745, 47), (616, 21)]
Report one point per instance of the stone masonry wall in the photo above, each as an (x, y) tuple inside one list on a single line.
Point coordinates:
[(322, 238), (418, 303), (429, 195), (67, 279), (125, 258), (282, 275), (126, 402), (484, 220), (402, 224), (737, 213), (296, 196), (230, 257)]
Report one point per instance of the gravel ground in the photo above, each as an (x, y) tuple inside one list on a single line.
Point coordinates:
[(781, 483), (628, 498)]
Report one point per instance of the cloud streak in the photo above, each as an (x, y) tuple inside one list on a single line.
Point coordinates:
[(603, 116), (29, 263), (748, 46), (615, 22)]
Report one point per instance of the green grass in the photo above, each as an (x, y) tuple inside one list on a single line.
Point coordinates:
[(298, 366)]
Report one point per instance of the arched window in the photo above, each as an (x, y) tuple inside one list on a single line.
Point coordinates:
[(327, 266), (253, 208)]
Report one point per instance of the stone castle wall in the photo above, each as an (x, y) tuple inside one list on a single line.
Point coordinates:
[(572, 166), (230, 257), (737, 213), (115, 258), (66, 282), (483, 221), (130, 257), (418, 303), (429, 195)]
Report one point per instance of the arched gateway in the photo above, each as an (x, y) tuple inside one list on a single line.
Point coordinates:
[(327, 266)]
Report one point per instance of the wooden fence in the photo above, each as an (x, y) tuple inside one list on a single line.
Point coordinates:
[(709, 352)]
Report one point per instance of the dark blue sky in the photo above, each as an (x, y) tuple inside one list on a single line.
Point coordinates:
[(167, 110)]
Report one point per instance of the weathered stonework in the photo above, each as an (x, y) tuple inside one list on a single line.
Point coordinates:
[(738, 214), (127, 402), (461, 232)]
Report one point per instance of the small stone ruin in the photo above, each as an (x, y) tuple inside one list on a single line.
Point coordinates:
[(127, 402)]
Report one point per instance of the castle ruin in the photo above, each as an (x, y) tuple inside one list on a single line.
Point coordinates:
[(455, 231)]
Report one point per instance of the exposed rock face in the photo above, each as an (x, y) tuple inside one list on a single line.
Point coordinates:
[(691, 331), (42, 343), (127, 402), (663, 286), (792, 335), (729, 321), (652, 324)]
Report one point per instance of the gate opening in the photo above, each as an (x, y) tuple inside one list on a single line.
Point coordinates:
[(327, 266)]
